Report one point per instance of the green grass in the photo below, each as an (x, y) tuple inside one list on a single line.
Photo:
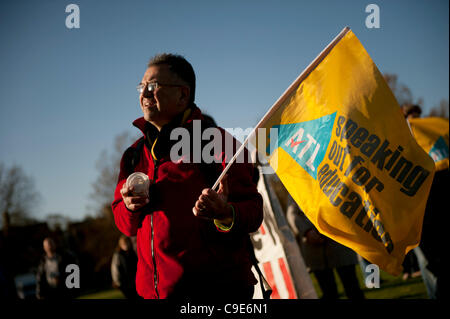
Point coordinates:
[(105, 294), (390, 287)]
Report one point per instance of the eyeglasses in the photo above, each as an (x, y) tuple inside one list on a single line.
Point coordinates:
[(152, 86)]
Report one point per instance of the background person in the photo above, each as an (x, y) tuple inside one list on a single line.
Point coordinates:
[(322, 255), (123, 267), (411, 110), (50, 277), (429, 253)]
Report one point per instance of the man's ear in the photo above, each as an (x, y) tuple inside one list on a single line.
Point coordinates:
[(185, 94)]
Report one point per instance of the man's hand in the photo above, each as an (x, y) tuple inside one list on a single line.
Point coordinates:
[(214, 205), (133, 202), (312, 236)]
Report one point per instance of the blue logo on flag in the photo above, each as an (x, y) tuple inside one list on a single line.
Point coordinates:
[(306, 142), (439, 151)]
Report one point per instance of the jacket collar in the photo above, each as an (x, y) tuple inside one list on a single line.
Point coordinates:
[(159, 142)]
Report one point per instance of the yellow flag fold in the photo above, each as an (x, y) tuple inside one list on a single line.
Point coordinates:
[(431, 134)]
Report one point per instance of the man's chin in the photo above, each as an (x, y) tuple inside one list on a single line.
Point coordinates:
[(150, 116)]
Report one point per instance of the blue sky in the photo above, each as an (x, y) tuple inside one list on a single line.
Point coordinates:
[(66, 93)]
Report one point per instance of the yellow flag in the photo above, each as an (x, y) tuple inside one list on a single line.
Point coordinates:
[(346, 155), (431, 134)]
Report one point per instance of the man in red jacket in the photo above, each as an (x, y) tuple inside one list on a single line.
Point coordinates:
[(192, 241)]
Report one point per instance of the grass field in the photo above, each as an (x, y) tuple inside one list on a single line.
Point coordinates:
[(104, 294), (390, 288)]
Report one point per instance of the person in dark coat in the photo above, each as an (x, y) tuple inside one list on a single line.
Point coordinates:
[(322, 255), (123, 268)]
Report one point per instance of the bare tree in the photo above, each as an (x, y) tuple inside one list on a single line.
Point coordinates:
[(18, 197), (440, 110), (57, 221), (401, 92), (108, 166)]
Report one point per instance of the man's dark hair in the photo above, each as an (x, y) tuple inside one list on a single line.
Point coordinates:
[(411, 108), (179, 66)]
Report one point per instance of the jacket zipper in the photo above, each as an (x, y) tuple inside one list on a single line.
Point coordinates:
[(155, 274)]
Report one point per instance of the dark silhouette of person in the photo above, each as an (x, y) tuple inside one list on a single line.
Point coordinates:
[(123, 268)]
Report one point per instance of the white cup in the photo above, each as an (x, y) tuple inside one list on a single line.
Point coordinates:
[(140, 183)]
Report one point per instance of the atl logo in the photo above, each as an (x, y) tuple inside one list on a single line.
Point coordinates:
[(439, 151), (307, 142)]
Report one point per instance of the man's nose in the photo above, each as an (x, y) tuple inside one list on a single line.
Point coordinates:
[(147, 92)]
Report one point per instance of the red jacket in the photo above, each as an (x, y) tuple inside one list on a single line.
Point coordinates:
[(176, 249)]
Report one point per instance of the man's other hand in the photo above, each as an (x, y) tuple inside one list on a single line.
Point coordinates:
[(214, 205)]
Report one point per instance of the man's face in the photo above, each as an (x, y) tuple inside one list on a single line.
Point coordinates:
[(163, 104), (49, 246), (124, 244)]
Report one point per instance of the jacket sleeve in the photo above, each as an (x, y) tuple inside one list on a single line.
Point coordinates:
[(242, 193), (40, 280), (126, 221)]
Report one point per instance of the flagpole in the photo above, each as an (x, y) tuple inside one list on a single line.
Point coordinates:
[(281, 99)]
